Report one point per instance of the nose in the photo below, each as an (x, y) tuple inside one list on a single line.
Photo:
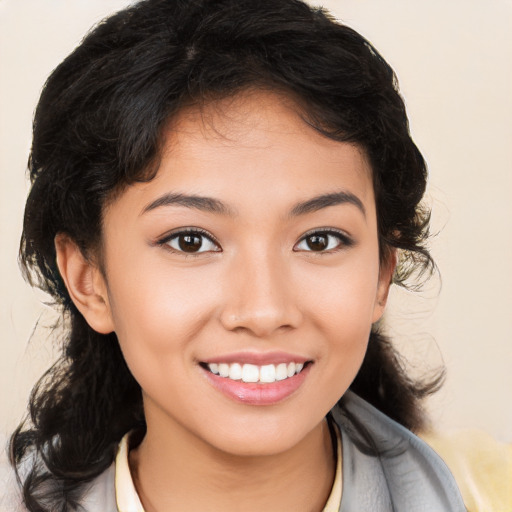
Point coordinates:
[(260, 296)]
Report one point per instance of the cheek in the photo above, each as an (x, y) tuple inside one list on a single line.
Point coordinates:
[(343, 298), (342, 305), (157, 313)]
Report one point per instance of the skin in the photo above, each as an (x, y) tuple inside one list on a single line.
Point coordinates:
[(256, 288)]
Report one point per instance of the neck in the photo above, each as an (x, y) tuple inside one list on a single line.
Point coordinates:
[(173, 473)]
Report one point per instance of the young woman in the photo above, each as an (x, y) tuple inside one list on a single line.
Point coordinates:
[(222, 193)]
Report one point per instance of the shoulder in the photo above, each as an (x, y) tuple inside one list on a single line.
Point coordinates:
[(100, 494), (481, 465), (387, 467), (10, 495), (97, 495)]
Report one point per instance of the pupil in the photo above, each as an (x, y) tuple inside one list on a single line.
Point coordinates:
[(189, 243), (317, 242)]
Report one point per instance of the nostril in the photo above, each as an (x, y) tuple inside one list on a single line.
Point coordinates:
[(263, 322)]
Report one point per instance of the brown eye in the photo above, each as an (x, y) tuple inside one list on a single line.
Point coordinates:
[(324, 241), (191, 242), (317, 242)]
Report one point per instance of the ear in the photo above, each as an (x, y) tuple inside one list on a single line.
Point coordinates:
[(85, 284), (387, 269)]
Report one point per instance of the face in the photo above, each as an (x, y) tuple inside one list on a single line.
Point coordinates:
[(243, 280)]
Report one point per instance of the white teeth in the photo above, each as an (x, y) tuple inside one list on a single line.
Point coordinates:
[(224, 370), (252, 373), (281, 372), (235, 371), (268, 373)]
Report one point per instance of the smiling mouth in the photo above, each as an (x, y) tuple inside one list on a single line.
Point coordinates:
[(252, 373)]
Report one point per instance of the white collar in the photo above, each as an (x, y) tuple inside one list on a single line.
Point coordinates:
[(126, 496), (128, 500)]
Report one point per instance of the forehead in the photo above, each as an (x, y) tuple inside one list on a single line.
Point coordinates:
[(255, 149), (254, 119)]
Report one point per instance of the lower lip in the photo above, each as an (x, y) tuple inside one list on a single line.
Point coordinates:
[(253, 393)]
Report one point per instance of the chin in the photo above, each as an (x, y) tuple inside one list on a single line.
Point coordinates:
[(267, 439)]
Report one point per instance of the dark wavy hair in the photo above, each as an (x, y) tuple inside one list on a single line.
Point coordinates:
[(98, 128)]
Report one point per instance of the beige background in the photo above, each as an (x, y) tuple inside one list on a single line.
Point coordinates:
[(454, 62)]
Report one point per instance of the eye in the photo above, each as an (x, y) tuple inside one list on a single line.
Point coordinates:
[(190, 241), (324, 241)]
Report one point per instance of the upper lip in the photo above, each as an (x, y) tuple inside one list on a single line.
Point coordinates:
[(257, 358)]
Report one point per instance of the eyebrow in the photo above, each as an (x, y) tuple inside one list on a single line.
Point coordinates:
[(212, 205), (205, 204), (324, 200)]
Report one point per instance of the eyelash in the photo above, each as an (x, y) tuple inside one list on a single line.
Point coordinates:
[(164, 242), (344, 240)]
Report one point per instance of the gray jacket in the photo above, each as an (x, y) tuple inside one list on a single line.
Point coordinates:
[(386, 468)]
